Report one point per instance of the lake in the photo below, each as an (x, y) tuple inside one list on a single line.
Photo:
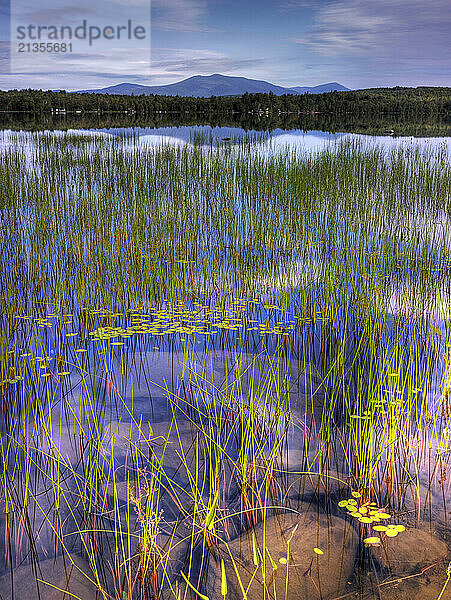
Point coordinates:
[(225, 364)]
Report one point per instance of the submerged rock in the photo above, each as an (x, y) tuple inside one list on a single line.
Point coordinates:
[(410, 551), (162, 443), (36, 527), (428, 503), (301, 573), (75, 579), (425, 587), (299, 486)]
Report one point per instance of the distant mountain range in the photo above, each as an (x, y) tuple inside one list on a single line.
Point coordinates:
[(214, 85), (321, 89)]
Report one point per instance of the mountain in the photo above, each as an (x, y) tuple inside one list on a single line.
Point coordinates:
[(320, 89), (212, 85)]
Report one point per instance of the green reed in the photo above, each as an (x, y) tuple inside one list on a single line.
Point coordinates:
[(318, 285)]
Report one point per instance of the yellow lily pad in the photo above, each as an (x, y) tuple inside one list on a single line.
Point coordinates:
[(372, 540)]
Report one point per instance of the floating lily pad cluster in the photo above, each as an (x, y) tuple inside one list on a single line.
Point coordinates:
[(12, 379), (369, 513), (180, 318), (199, 319), (172, 317)]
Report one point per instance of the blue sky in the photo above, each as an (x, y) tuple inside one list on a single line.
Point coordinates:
[(359, 43)]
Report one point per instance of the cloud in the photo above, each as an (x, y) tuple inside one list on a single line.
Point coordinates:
[(119, 57), (116, 64), (180, 15), (68, 12), (168, 61), (365, 43), (382, 30), (293, 4)]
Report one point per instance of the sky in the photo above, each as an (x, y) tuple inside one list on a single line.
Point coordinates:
[(358, 43)]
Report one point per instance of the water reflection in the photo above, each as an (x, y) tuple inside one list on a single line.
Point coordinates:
[(277, 140)]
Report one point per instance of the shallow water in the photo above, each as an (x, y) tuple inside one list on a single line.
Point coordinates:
[(172, 384)]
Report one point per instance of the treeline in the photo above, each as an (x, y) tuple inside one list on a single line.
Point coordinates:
[(421, 102)]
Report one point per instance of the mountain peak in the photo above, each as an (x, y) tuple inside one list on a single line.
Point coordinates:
[(214, 85)]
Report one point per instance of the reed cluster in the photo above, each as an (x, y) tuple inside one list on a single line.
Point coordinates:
[(187, 334)]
